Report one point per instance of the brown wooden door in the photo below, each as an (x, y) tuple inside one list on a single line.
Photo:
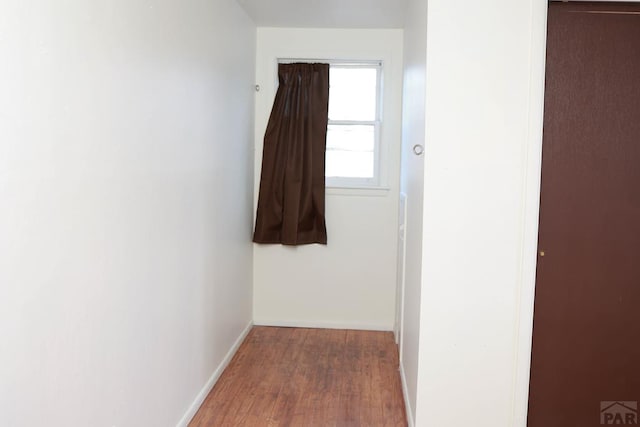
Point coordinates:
[(586, 334)]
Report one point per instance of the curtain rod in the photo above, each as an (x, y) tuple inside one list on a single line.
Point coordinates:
[(346, 62)]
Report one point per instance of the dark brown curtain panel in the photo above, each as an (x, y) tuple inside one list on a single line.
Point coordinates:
[(292, 186)]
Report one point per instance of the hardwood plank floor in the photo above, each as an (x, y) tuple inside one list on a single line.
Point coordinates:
[(308, 377)]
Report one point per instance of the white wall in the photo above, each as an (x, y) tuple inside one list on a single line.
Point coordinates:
[(126, 174), (412, 184), (483, 127), (352, 281)]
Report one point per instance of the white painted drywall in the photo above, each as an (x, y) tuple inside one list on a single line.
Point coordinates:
[(126, 174), (412, 184), (481, 74), (327, 13), (350, 283)]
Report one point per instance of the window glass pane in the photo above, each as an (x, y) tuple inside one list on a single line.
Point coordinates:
[(352, 93), (350, 151)]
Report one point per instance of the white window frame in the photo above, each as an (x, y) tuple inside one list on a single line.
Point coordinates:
[(350, 182)]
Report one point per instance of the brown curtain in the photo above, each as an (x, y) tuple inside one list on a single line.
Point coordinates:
[(291, 198)]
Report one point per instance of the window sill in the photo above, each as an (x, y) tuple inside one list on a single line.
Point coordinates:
[(358, 191)]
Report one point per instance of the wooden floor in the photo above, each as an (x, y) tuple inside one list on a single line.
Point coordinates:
[(308, 377)]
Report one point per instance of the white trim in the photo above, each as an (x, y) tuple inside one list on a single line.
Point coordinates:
[(358, 191), (325, 325), (532, 164), (401, 273), (195, 406), (405, 394), (373, 123), (365, 63)]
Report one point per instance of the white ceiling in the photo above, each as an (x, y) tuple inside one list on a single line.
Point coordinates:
[(326, 13)]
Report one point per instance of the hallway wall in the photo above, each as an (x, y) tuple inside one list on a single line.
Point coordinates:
[(126, 174), (483, 133), (412, 184), (350, 282)]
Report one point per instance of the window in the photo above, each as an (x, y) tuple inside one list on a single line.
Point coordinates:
[(353, 133)]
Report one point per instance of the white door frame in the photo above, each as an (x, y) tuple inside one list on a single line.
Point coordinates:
[(401, 269), (531, 206)]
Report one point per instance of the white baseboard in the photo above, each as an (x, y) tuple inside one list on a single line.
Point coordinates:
[(325, 325), (193, 409), (407, 402)]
